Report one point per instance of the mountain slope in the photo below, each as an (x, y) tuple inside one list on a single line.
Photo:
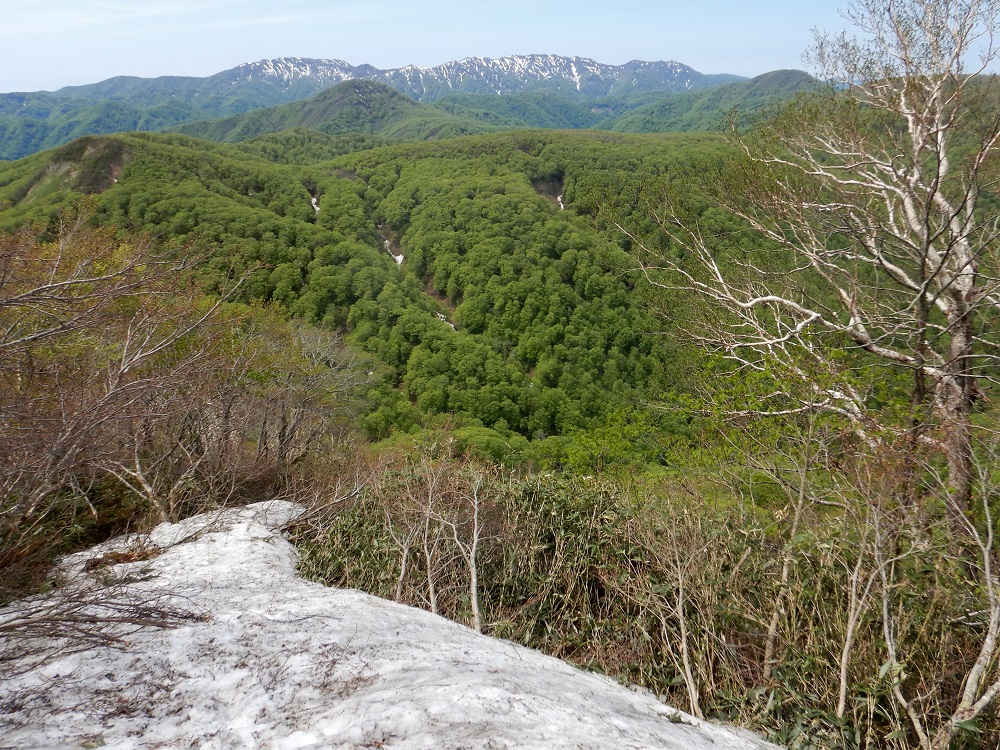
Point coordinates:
[(573, 76), (524, 109), (348, 107), (707, 110), (376, 109), (489, 232), (269, 82)]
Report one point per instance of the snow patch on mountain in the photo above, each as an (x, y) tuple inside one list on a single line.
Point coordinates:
[(278, 662), (288, 70)]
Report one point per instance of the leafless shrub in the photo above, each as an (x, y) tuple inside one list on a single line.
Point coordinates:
[(128, 397), (91, 611)]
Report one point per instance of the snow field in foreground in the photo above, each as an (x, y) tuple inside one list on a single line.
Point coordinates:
[(280, 663)]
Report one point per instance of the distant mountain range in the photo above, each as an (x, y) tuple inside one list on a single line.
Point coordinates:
[(374, 108), (470, 95), (288, 78)]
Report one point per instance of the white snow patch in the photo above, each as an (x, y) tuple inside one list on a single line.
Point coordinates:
[(576, 75), (282, 663), (443, 319), (397, 258)]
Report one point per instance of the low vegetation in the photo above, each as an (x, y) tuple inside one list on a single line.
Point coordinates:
[(774, 596)]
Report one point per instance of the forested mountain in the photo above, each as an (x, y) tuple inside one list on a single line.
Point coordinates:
[(288, 78), (634, 112), (32, 121), (377, 109), (708, 109), (348, 107), (469, 268), (535, 109)]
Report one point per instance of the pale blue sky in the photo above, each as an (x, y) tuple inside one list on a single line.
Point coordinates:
[(46, 44)]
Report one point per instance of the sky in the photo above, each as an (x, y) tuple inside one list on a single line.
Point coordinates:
[(47, 44)]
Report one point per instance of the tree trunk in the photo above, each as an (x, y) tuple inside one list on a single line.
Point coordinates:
[(958, 397), (942, 740)]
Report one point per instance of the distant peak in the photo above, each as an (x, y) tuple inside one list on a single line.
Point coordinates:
[(517, 71)]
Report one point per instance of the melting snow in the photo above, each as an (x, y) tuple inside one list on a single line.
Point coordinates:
[(281, 663), (443, 319), (397, 258)]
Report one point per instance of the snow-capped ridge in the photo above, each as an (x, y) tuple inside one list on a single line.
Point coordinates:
[(477, 75), (288, 70)]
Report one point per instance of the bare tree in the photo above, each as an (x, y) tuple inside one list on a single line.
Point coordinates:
[(939, 709), (119, 377), (416, 507), (49, 289), (466, 524), (308, 379), (869, 262), (871, 194), (90, 329), (440, 513)]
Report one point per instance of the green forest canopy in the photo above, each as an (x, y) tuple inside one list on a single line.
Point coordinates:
[(508, 312)]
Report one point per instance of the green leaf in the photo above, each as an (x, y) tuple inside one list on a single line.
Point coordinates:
[(884, 670), (969, 725)]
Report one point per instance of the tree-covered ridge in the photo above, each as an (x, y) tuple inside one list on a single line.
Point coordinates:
[(304, 146), (533, 109), (510, 309), (708, 109), (377, 109), (349, 107)]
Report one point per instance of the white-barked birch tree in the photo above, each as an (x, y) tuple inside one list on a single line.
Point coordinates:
[(876, 200), (877, 193)]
